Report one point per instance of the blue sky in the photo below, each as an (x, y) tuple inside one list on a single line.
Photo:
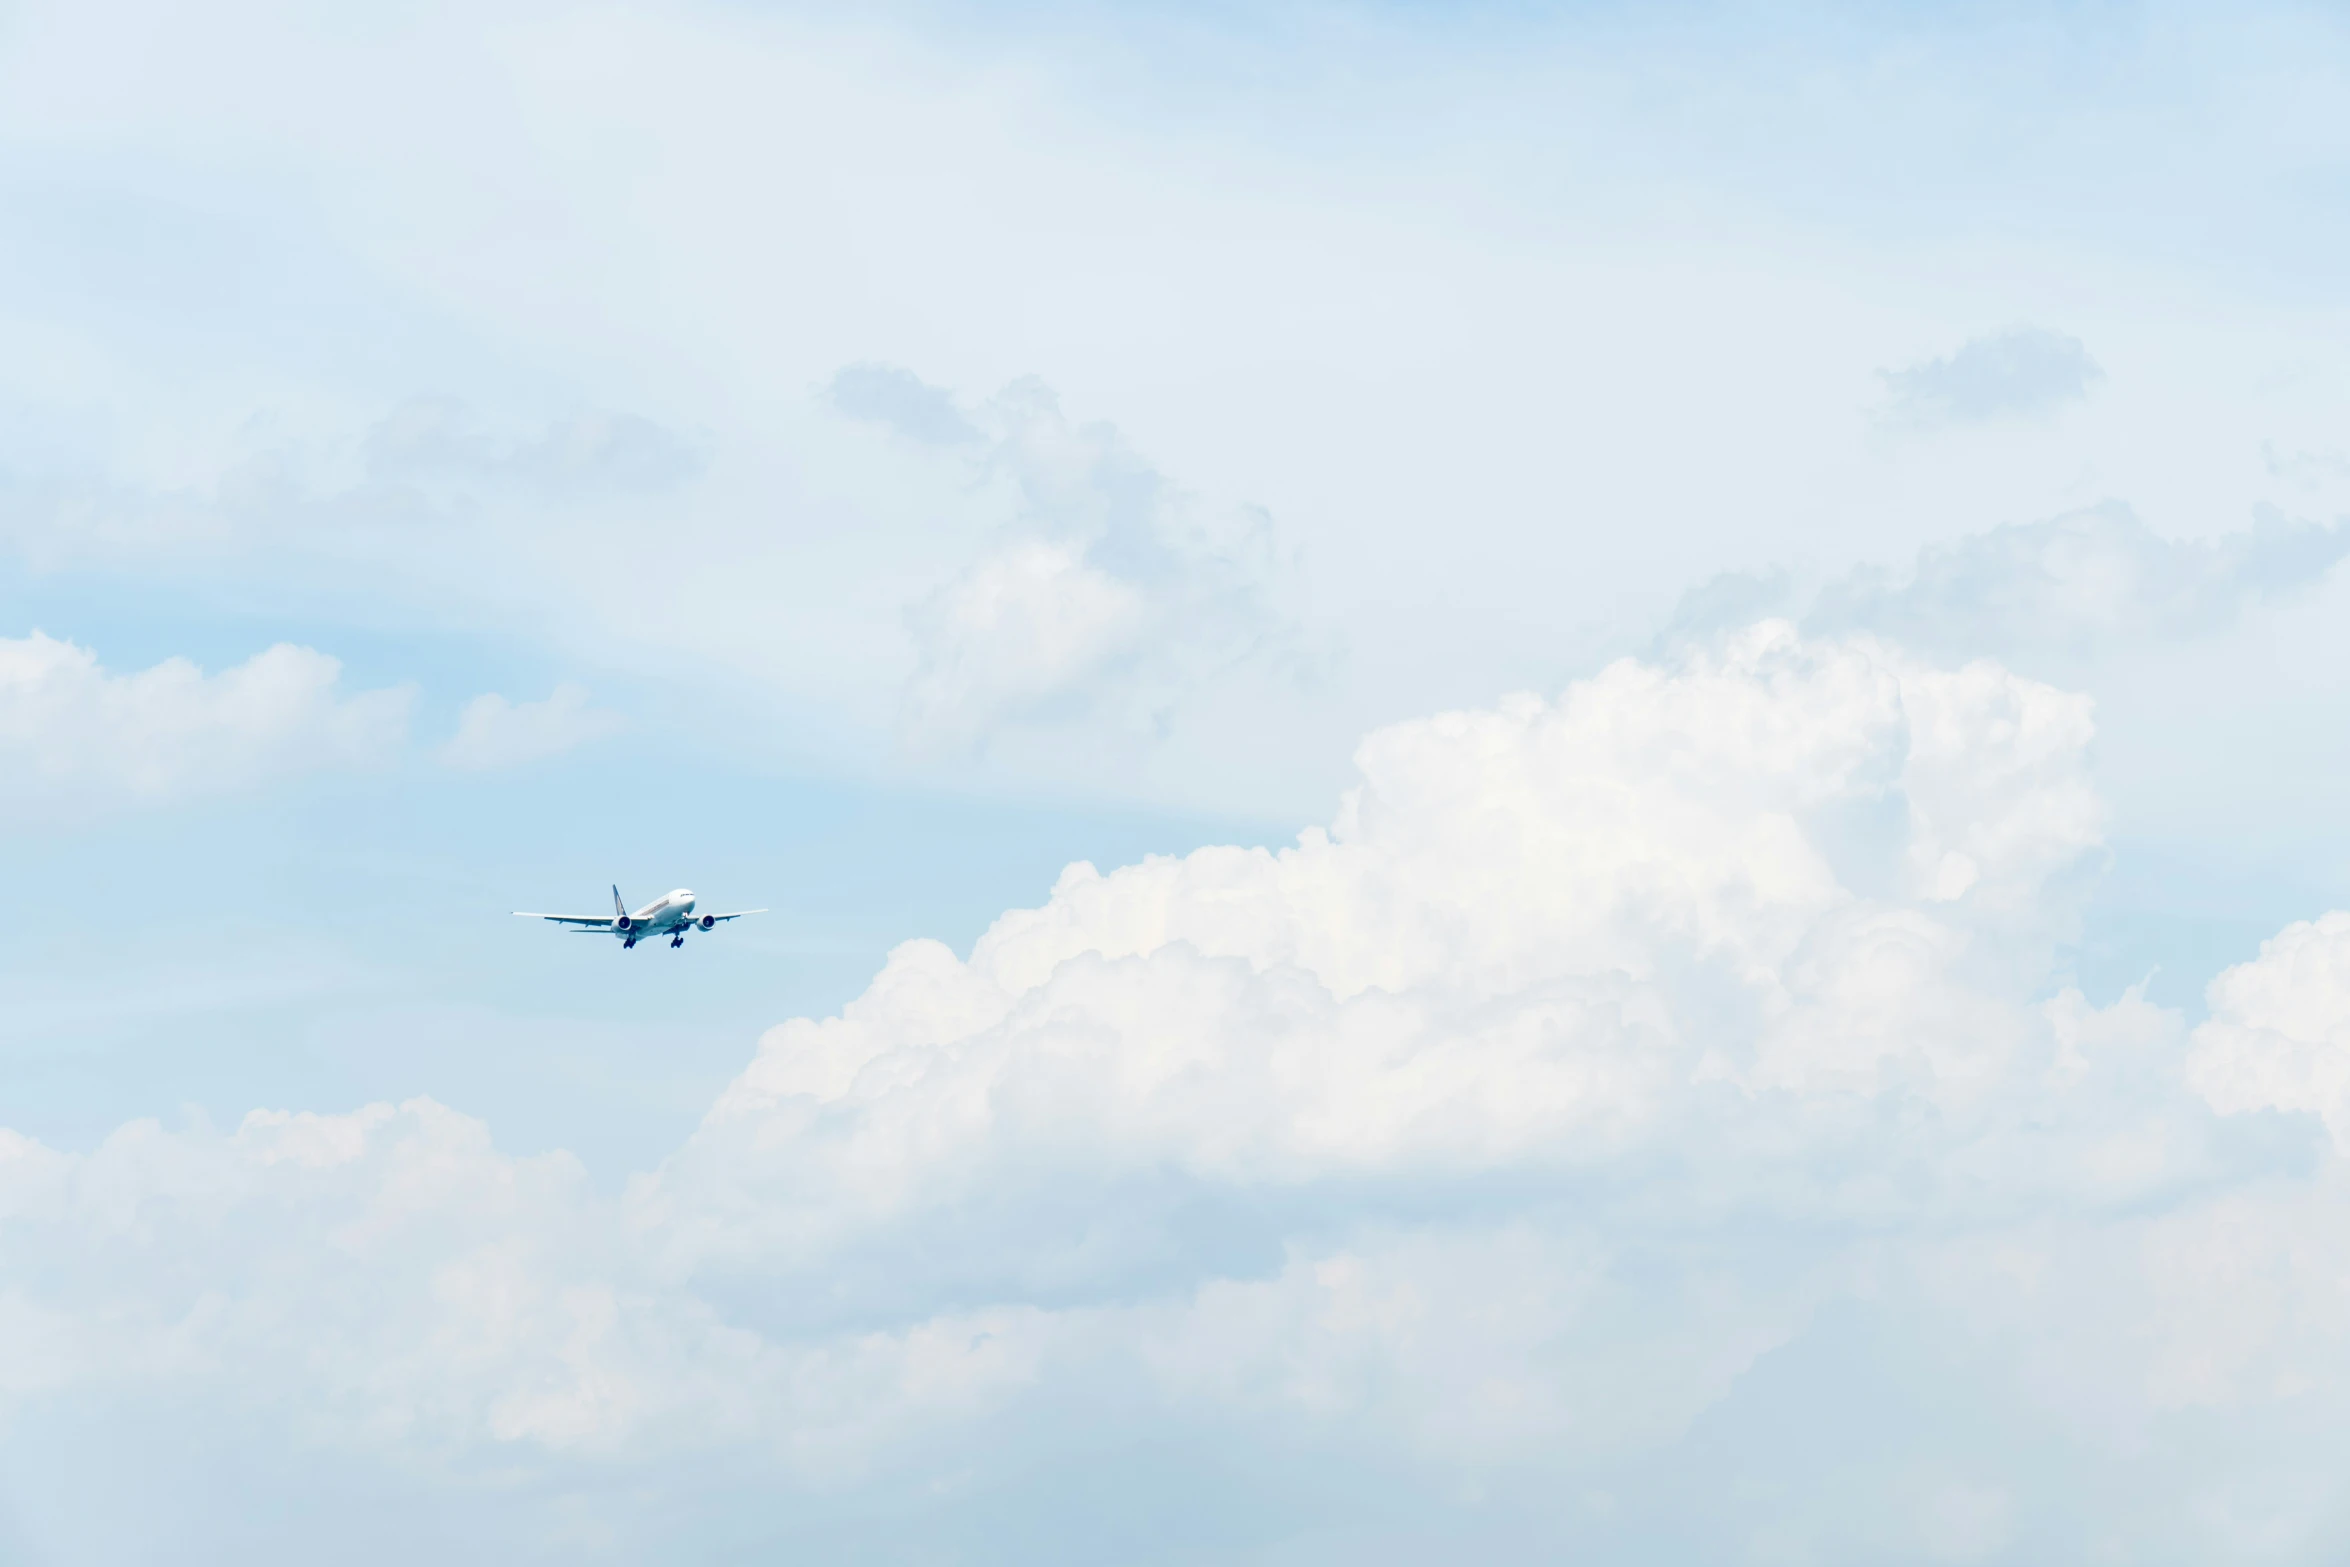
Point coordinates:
[(1559, 777)]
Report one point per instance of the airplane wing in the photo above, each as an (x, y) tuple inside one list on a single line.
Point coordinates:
[(736, 915), (591, 921)]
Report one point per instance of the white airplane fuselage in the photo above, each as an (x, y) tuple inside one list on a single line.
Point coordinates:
[(671, 914)]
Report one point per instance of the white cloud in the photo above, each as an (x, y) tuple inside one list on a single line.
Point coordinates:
[(74, 736), (2022, 372), (2279, 1033), (387, 1273), (1528, 937), (1110, 593), (1625, 1099), (493, 732)]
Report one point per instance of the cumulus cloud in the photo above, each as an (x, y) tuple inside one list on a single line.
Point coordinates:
[(1110, 594), (2019, 373), (2279, 1033), (493, 732), (1628, 1097), (75, 736), (388, 1272), (1504, 954)]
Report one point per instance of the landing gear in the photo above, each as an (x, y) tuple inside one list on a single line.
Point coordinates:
[(630, 942), (677, 941)]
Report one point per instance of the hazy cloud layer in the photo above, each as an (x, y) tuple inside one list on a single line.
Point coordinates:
[(75, 737), (384, 498), (2089, 575), (2021, 373), (2092, 579), (1620, 1082), (2303, 468), (439, 437)]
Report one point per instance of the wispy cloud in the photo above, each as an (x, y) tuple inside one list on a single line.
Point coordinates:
[(493, 732), (2021, 373), (896, 397), (371, 497), (2305, 468), (2089, 579), (440, 437), (1108, 593), (2086, 576)]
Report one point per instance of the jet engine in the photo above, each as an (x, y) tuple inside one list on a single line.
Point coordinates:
[(623, 924), (708, 922)]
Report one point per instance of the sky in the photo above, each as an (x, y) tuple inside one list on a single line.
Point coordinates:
[(1535, 781)]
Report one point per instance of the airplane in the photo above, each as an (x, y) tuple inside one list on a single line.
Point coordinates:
[(670, 915)]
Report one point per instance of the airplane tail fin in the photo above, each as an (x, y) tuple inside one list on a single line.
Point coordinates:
[(618, 907)]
